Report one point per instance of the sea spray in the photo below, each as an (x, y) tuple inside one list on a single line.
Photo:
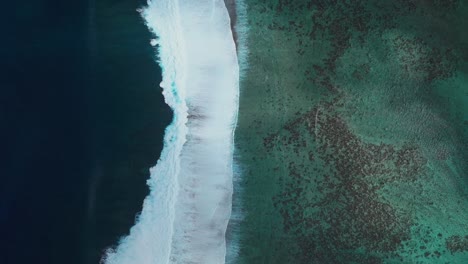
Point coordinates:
[(185, 216)]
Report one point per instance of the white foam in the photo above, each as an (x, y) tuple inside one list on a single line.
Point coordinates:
[(185, 216)]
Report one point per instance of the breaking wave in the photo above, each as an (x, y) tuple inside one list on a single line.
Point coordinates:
[(184, 218)]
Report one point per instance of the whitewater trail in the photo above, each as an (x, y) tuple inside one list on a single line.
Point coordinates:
[(185, 216)]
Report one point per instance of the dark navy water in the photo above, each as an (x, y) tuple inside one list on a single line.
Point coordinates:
[(81, 121)]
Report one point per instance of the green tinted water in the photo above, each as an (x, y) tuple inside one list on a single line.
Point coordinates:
[(352, 133)]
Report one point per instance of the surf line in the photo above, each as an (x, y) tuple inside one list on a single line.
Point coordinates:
[(185, 216)]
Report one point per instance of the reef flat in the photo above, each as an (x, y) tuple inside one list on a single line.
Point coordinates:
[(352, 135)]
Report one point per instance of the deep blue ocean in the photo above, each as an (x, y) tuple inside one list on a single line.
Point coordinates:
[(81, 121)]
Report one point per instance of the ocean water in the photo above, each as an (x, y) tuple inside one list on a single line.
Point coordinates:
[(82, 121), (350, 143)]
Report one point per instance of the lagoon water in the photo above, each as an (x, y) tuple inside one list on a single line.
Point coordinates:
[(352, 133)]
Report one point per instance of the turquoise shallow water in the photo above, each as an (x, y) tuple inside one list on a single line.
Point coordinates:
[(352, 135)]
